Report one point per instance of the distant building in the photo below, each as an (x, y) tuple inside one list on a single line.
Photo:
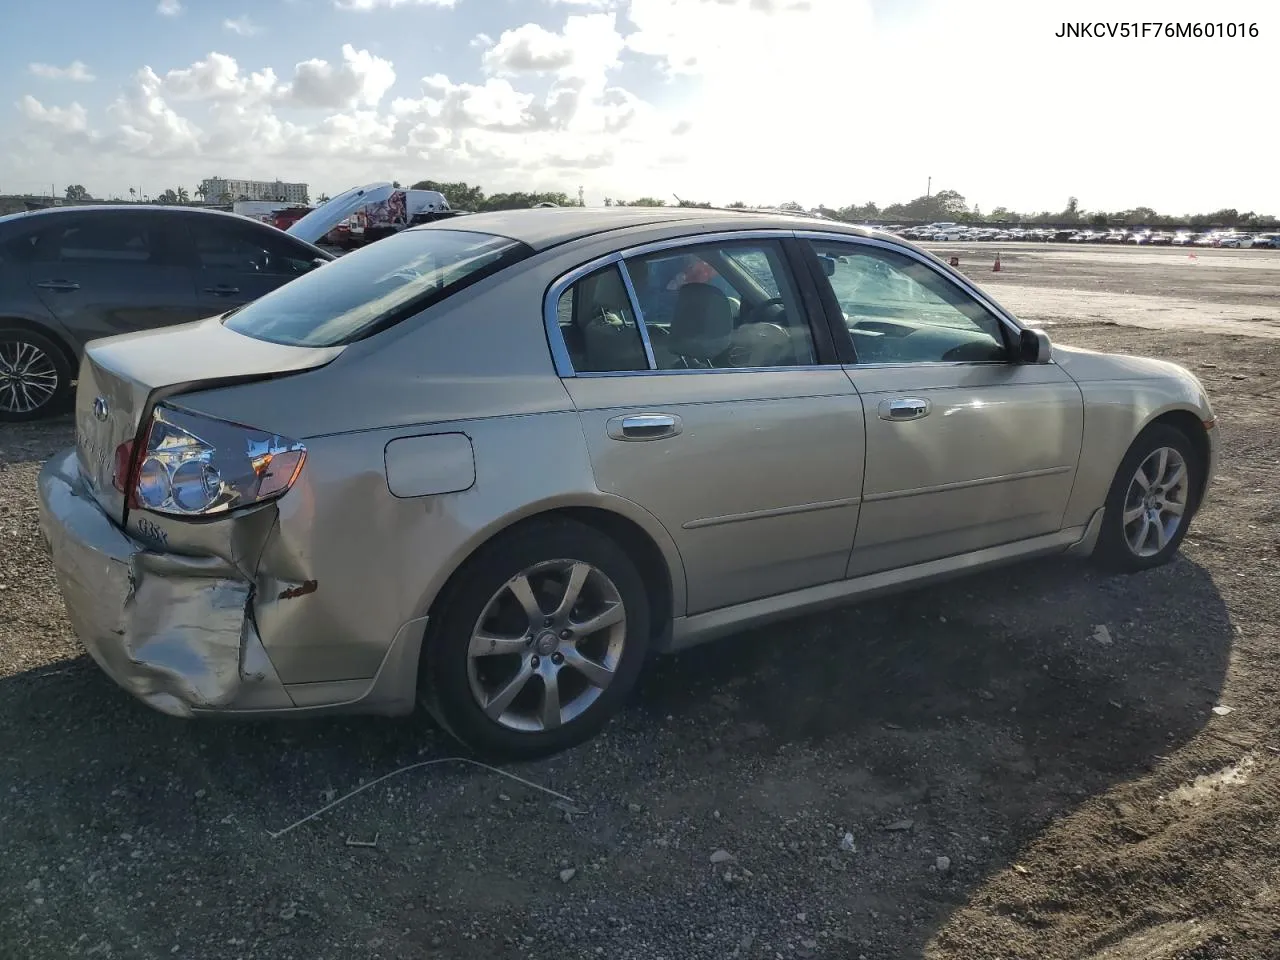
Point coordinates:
[(218, 190)]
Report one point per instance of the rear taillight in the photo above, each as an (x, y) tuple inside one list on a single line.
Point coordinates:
[(123, 466), (191, 465)]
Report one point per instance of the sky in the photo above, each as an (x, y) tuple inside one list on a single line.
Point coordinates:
[(762, 101)]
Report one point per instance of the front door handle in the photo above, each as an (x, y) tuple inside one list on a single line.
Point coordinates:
[(62, 286), (904, 408), (222, 290), (644, 426)]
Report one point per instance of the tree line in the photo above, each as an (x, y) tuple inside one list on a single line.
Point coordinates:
[(945, 205)]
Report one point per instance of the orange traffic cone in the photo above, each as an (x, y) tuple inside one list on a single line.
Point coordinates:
[(995, 268)]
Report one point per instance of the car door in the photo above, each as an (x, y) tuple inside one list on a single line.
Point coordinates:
[(966, 447), (238, 259), (709, 396), (110, 271)]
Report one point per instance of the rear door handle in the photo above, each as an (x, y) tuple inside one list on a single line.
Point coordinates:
[(62, 286), (644, 426), (904, 408), (222, 290)]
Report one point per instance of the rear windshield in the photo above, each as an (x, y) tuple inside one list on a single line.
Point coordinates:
[(381, 284)]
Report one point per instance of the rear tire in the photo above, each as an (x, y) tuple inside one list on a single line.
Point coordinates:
[(35, 375), (513, 671), (1144, 523)]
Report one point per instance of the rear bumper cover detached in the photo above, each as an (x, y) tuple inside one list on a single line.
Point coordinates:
[(179, 631), (175, 631)]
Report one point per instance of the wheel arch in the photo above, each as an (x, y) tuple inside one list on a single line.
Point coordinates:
[(1190, 424), (642, 536), (46, 331)]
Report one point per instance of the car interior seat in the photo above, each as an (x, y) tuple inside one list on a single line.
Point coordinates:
[(702, 324)]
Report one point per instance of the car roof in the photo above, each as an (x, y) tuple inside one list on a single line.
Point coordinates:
[(546, 227), (92, 208)]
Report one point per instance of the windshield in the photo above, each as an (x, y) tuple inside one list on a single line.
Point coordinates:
[(366, 291)]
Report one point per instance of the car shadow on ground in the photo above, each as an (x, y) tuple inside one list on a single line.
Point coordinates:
[(859, 775)]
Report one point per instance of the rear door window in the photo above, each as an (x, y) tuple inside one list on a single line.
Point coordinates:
[(379, 285), (726, 305), (114, 238), (110, 239)]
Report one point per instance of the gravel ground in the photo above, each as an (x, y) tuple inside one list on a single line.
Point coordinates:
[(1023, 764)]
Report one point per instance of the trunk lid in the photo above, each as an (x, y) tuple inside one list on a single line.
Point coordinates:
[(313, 227), (122, 377)]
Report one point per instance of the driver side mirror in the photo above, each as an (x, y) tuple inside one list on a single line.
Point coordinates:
[(1034, 346), (828, 265)]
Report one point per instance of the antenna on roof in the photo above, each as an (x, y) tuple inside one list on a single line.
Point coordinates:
[(679, 202)]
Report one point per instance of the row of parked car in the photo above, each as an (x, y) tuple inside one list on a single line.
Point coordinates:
[(1210, 238)]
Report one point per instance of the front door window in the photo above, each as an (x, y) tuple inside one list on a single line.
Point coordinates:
[(899, 310)]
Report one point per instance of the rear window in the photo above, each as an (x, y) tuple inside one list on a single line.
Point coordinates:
[(379, 285)]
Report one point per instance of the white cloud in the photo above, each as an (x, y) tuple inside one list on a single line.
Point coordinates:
[(587, 48), (169, 8), (218, 77), (75, 70), (481, 41), (242, 26), (493, 105), (147, 124), (360, 80), (375, 4), (72, 119), (529, 48)]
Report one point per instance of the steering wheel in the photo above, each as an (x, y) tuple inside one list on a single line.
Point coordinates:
[(758, 314), (760, 344)]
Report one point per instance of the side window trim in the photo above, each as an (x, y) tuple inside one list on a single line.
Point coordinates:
[(805, 283), (638, 313)]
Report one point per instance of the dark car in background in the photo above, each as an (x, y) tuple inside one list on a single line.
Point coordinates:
[(69, 275)]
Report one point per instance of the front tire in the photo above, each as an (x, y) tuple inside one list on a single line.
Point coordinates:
[(1151, 501), (538, 641), (35, 375)]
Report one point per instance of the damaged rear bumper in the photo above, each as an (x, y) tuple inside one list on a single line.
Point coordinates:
[(173, 630), (179, 631)]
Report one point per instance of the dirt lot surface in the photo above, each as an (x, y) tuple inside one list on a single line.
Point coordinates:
[(1024, 764), (1171, 288)]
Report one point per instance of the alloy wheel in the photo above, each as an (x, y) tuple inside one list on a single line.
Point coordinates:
[(1156, 502), (547, 645), (28, 377)]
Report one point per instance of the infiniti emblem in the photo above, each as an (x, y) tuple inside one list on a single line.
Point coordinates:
[(100, 408)]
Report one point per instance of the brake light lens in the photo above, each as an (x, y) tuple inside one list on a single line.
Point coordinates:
[(123, 465), (198, 466)]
